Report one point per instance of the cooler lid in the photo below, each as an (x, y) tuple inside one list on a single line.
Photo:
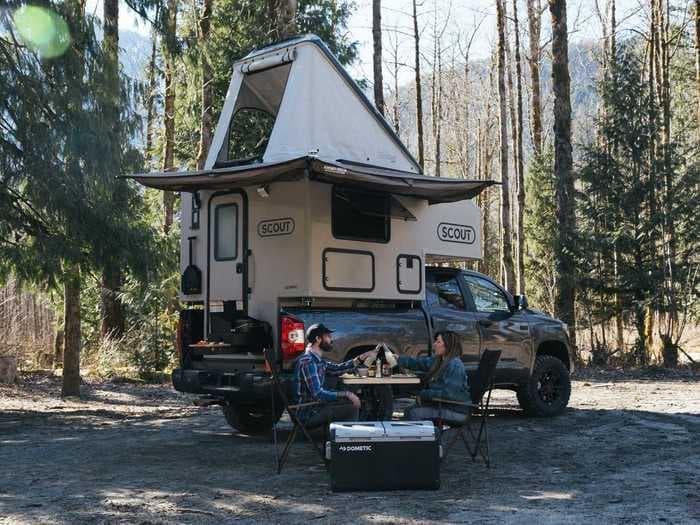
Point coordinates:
[(409, 430), (357, 431)]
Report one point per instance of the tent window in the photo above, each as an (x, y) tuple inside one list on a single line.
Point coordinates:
[(254, 115), (225, 232), (361, 215)]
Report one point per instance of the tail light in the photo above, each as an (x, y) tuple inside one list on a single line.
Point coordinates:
[(292, 337)]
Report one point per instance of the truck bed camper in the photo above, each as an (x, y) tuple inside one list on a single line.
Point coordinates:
[(307, 199)]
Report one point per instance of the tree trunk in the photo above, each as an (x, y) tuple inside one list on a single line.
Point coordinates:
[(520, 171), (71, 352), (506, 246), (377, 55), (150, 100), (697, 59), (564, 179), (112, 324), (206, 127), (438, 114), (419, 95), (169, 107), (534, 25), (112, 321)]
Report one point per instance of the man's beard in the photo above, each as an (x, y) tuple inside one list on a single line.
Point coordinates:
[(326, 347)]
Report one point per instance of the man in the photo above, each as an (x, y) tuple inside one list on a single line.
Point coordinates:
[(310, 377)]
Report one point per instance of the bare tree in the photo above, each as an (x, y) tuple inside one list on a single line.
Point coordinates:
[(395, 65), (377, 55), (419, 95), (563, 161), (534, 16), (506, 247), (520, 169)]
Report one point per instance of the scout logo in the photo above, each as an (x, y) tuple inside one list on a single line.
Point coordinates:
[(273, 227), (355, 448), (461, 233)]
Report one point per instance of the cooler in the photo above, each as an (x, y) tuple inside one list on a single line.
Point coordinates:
[(383, 455)]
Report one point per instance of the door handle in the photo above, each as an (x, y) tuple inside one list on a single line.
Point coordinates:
[(485, 322), (239, 267)]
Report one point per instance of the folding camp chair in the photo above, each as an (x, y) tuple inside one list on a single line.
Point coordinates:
[(480, 386), (282, 392)]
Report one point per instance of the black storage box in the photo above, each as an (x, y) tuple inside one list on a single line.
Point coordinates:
[(383, 455)]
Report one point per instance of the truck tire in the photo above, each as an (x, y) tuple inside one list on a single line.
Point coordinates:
[(548, 390), (250, 419)]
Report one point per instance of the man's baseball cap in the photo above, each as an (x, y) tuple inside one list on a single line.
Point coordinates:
[(317, 330)]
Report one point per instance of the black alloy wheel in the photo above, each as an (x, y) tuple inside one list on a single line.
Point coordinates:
[(548, 390)]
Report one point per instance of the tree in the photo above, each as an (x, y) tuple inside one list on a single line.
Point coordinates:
[(534, 11), (563, 161), (377, 55), (169, 55), (207, 123), (520, 167), (419, 95), (506, 246)]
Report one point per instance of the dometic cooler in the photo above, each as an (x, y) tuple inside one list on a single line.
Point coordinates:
[(383, 455)]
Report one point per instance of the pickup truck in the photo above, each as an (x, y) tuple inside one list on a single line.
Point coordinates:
[(536, 360)]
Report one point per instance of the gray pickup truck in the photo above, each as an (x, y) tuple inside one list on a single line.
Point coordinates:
[(536, 360)]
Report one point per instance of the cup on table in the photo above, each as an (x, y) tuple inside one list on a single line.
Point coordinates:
[(362, 372)]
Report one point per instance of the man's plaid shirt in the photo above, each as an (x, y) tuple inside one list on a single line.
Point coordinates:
[(310, 376)]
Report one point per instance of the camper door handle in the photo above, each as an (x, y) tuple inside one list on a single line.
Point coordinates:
[(239, 267)]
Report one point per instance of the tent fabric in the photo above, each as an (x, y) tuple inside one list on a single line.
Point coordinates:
[(318, 108), (434, 189)]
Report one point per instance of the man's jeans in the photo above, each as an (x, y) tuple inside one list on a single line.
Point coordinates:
[(330, 412)]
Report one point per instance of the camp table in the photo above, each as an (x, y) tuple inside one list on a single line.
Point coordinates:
[(371, 400)]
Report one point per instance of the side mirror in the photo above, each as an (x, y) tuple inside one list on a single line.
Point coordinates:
[(521, 302)]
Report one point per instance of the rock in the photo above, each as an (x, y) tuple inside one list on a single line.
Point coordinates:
[(8, 369)]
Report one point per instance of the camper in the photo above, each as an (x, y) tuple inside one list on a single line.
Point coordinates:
[(308, 200)]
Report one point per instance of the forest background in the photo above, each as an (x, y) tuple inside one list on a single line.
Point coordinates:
[(590, 119)]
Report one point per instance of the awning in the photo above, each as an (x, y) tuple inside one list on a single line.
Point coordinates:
[(434, 189)]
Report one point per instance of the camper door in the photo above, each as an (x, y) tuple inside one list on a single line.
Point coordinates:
[(226, 252)]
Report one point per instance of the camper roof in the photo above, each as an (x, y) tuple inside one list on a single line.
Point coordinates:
[(292, 111)]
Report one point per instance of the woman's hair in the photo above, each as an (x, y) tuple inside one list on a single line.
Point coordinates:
[(453, 348)]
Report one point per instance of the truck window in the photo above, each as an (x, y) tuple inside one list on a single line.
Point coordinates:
[(487, 296), (225, 232), (444, 291), (360, 215)]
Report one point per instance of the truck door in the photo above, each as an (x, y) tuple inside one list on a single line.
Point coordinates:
[(447, 311), (226, 257), (500, 327)]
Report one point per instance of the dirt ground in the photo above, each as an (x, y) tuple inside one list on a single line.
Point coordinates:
[(626, 451)]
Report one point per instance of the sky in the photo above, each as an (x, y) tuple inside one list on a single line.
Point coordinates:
[(463, 16)]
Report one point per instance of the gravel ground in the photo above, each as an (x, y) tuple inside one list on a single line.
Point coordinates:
[(626, 451)]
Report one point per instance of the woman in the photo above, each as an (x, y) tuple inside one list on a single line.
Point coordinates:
[(445, 378)]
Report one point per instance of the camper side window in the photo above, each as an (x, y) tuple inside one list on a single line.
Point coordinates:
[(225, 232), (360, 215)]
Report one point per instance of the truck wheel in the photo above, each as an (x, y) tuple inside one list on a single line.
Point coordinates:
[(548, 390), (250, 419)]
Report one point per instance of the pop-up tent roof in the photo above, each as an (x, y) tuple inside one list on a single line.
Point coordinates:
[(292, 110)]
